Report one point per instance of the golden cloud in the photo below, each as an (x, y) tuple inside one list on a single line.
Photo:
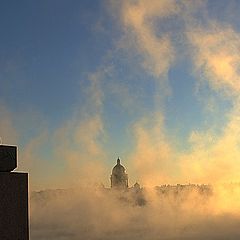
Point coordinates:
[(157, 51), (216, 56)]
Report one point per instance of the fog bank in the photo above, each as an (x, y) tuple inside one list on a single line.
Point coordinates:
[(97, 213)]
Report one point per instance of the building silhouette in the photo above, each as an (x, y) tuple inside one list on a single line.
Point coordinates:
[(13, 197), (119, 178)]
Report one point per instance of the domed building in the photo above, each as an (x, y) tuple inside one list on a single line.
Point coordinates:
[(119, 178)]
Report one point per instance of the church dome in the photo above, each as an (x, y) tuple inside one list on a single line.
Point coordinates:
[(119, 178), (118, 169)]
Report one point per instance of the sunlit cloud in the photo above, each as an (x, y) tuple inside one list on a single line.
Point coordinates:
[(156, 50), (152, 157), (215, 56), (213, 49), (65, 156)]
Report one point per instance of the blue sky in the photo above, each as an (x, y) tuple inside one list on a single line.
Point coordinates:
[(123, 66)]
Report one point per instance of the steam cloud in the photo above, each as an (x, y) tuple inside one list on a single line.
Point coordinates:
[(88, 213)]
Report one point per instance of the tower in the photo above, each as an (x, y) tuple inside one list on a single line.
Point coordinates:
[(119, 178)]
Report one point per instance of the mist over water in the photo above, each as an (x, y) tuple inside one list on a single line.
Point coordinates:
[(176, 127), (96, 213)]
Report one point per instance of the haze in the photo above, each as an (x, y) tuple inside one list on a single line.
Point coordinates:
[(154, 82)]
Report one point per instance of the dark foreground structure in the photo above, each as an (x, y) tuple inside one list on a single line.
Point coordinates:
[(14, 223)]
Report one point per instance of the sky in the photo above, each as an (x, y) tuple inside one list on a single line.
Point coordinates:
[(156, 84)]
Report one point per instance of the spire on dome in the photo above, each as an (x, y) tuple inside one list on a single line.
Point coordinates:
[(118, 161)]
